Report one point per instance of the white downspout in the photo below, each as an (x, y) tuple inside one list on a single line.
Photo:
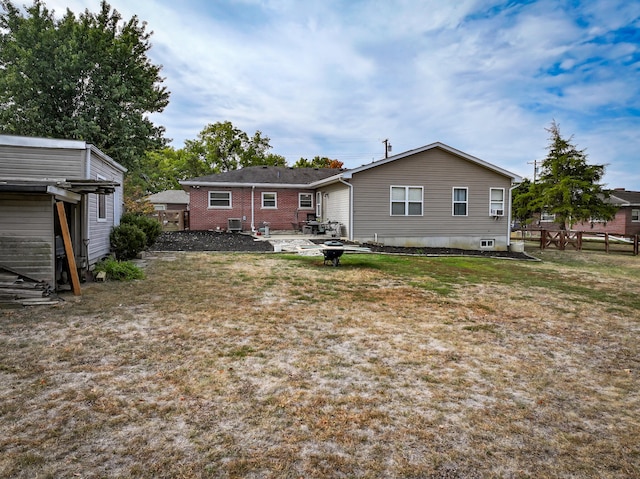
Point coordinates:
[(253, 226), (350, 207)]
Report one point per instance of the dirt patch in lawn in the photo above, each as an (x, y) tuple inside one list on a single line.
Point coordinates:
[(222, 241), (272, 366)]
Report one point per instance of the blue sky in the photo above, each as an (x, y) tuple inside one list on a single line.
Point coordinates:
[(336, 78)]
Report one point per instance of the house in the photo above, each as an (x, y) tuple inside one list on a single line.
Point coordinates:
[(36, 174), (171, 209), (169, 200), (627, 219), (433, 196), (248, 198)]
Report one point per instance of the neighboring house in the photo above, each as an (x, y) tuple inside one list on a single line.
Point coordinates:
[(433, 196), (37, 173), (169, 200), (627, 219), (625, 223), (247, 198)]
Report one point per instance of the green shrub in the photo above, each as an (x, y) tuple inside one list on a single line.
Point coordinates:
[(119, 270), (127, 241), (151, 227)]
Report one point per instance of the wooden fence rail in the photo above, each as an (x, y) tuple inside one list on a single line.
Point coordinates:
[(574, 239)]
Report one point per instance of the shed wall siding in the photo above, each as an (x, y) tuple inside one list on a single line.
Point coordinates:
[(27, 240), (438, 172), (31, 162), (99, 231)]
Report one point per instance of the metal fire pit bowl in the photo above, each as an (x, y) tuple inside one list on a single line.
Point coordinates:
[(333, 255)]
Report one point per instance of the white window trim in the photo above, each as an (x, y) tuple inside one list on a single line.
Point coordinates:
[(454, 202), (496, 211), (275, 198), (100, 198), (406, 200), (220, 207), (637, 210), (300, 207), (547, 218), (487, 243)]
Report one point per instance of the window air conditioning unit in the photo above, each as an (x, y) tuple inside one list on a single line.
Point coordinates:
[(234, 224), (497, 212)]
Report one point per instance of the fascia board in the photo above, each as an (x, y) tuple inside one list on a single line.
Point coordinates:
[(223, 184)]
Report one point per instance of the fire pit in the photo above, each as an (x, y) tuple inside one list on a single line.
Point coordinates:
[(332, 252)]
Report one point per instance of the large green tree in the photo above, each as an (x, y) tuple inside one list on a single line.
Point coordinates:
[(569, 187), (318, 162), (222, 147), (86, 77)]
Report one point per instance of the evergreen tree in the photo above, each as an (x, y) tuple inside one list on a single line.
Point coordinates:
[(569, 187)]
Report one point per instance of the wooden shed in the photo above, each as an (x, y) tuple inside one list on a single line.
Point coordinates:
[(41, 178)]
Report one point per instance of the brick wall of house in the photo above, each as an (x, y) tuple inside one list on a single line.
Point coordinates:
[(620, 225), (283, 217)]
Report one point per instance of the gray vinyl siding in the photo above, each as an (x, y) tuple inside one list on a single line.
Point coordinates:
[(31, 162), (27, 239), (99, 231), (338, 205), (438, 172)]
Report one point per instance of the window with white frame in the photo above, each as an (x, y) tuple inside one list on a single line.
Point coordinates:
[(305, 201), (102, 203), (269, 200), (220, 199), (460, 201), (545, 216), (635, 215), (487, 243), (406, 200), (496, 206)]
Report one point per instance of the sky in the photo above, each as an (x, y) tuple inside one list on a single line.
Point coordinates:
[(336, 78)]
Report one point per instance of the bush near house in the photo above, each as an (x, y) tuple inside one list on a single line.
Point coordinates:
[(151, 227), (127, 241)]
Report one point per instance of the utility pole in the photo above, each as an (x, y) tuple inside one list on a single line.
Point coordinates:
[(535, 168), (387, 147)]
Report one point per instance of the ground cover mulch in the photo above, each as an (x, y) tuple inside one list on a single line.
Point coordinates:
[(242, 242)]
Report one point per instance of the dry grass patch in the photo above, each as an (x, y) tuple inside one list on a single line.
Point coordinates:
[(276, 366)]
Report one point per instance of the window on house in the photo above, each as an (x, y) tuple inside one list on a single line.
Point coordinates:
[(635, 215), (305, 201), (406, 200), (496, 206), (219, 199), (547, 217), (102, 203), (269, 200), (460, 201), (487, 243)]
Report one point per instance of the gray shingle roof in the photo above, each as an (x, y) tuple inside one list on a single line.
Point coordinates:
[(270, 175), (623, 197)]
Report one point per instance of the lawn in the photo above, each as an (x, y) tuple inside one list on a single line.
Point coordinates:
[(275, 366)]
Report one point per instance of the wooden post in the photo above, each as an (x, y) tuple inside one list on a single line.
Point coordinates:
[(606, 242), (636, 245), (68, 249)]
